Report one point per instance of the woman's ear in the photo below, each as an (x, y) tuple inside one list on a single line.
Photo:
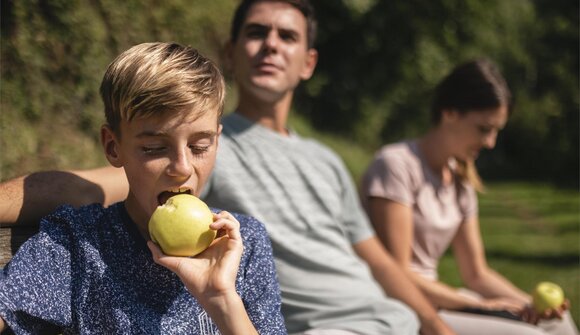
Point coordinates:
[(110, 146)]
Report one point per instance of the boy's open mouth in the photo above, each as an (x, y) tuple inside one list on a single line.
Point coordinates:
[(164, 196)]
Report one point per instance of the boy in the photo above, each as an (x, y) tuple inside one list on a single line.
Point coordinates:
[(89, 270)]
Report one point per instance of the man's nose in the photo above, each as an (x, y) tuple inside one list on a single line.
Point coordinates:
[(271, 41)]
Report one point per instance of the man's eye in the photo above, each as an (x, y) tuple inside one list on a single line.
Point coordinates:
[(288, 37), (152, 150), (256, 33)]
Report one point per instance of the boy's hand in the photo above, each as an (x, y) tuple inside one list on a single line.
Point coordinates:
[(212, 273)]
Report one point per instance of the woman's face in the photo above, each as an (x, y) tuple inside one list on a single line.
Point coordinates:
[(471, 131)]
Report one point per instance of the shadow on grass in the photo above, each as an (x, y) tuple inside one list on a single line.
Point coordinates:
[(565, 259)]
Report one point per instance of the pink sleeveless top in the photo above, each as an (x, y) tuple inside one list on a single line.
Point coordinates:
[(400, 173)]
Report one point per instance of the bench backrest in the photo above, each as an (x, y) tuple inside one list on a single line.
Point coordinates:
[(11, 238)]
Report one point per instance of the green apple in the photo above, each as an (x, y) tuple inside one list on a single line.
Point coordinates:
[(181, 226), (546, 296)]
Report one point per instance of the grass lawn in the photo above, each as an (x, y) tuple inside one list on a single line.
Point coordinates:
[(532, 233)]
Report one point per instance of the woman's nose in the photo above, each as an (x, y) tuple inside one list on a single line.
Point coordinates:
[(490, 140)]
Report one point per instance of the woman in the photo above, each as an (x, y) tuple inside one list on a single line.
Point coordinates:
[(421, 198)]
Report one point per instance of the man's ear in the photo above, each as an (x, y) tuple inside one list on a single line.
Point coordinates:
[(229, 57), (309, 64), (449, 115), (110, 146)]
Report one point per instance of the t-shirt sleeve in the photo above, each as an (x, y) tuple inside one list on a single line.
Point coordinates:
[(387, 177), (35, 291), (261, 293), (354, 219)]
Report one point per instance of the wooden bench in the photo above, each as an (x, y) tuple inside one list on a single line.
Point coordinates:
[(11, 238)]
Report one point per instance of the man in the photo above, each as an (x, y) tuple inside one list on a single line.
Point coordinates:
[(333, 271)]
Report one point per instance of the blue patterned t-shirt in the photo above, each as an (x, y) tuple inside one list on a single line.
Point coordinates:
[(89, 271)]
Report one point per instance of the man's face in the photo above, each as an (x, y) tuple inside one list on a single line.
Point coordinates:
[(474, 130), (162, 156), (271, 55)]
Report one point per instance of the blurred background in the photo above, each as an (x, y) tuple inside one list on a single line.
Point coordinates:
[(379, 62)]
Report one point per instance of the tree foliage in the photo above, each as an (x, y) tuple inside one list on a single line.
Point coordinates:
[(378, 70), (379, 62)]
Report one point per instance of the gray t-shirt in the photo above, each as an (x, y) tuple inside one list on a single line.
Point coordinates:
[(307, 201), (400, 173)]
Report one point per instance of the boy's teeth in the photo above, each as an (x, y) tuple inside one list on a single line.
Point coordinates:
[(179, 190)]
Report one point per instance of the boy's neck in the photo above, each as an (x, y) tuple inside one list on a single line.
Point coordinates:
[(272, 115)]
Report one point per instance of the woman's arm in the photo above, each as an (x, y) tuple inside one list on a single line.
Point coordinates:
[(25, 200), (475, 272), (394, 225)]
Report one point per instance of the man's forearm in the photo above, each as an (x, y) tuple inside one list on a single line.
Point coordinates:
[(25, 200)]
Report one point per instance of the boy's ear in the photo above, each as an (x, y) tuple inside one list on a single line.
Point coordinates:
[(110, 146)]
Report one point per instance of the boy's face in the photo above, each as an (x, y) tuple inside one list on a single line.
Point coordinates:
[(271, 56), (163, 155)]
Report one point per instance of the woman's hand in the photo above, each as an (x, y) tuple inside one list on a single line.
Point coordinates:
[(212, 273), (502, 304), (530, 315)]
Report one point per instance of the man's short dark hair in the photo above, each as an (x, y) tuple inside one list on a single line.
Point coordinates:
[(304, 6)]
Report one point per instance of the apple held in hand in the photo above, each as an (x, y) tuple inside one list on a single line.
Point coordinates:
[(546, 296), (181, 226)]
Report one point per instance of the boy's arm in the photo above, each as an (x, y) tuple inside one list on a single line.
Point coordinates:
[(211, 275), (25, 200)]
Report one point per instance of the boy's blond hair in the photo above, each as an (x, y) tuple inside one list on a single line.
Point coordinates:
[(154, 78)]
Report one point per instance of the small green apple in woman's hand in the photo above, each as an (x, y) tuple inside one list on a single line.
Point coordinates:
[(181, 226), (547, 296)]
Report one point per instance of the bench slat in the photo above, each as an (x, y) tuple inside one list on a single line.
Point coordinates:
[(11, 238)]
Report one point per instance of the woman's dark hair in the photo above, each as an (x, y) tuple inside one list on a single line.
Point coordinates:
[(304, 6), (473, 86)]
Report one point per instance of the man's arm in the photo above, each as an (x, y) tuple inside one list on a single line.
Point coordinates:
[(25, 200), (397, 285)]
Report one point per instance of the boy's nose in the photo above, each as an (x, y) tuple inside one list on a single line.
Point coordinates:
[(180, 166)]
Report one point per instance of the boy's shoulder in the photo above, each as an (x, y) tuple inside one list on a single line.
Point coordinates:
[(89, 217)]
